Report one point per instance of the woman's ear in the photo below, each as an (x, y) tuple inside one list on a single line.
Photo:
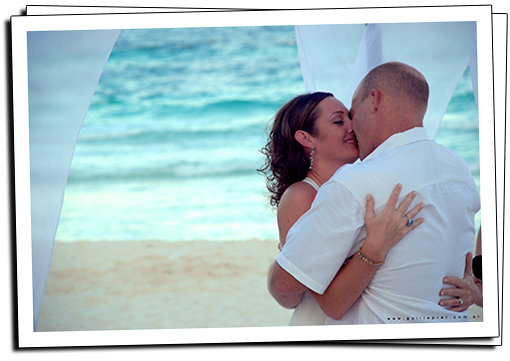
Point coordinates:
[(303, 138)]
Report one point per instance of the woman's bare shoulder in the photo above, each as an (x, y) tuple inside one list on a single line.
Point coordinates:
[(299, 194), (295, 202)]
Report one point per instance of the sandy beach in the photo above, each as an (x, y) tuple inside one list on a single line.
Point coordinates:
[(140, 285), (159, 285)]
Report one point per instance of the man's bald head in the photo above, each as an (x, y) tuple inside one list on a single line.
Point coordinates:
[(406, 86), (391, 99)]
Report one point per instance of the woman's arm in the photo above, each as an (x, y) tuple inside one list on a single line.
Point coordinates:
[(295, 202), (383, 232)]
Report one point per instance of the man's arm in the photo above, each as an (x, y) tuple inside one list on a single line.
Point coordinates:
[(284, 288)]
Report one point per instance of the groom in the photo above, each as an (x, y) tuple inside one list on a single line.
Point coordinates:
[(387, 112)]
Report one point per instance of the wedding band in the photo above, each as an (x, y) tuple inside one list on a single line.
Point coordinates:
[(461, 301), (409, 221)]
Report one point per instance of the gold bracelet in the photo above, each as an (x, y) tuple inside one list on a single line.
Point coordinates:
[(368, 260)]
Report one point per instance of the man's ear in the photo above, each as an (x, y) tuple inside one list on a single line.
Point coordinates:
[(303, 138), (375, 98)]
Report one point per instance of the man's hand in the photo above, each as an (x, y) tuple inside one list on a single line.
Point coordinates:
[(466, 290), (284, 288)]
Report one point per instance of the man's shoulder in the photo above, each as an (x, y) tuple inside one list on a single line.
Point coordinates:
[(450, 161), (448, 151), (344, 170), (347, 183), (354, 172)]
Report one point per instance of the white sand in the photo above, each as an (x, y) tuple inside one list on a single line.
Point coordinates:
[(155, 284), (162, 285)]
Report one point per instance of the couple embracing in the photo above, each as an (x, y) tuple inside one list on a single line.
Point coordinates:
[(352, 249)]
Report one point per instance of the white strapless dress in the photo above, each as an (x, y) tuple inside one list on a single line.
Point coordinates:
[(308, 312)]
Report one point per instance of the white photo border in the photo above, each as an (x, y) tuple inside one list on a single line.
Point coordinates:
[(481, 14)]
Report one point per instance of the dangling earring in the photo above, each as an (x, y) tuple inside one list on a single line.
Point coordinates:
[(311, 158)]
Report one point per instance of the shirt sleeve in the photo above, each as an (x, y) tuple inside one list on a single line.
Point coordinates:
[(320, 241)]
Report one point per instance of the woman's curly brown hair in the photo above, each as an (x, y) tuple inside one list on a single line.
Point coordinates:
[(286, 160)]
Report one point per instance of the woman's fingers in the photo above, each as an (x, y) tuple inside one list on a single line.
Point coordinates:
[(392, 203), (404, 206), (395, 194), (411, 214), (405, 228), (392, 216), (414, 212), (388, 227), (370, 206), (416, 223)]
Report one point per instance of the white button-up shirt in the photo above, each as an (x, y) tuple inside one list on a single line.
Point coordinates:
[(406, 288)]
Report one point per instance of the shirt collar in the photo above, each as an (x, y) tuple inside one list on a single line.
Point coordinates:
[(397, 140)]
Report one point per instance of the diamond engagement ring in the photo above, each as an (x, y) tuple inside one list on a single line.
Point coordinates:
[(409, 221), (461, 301)]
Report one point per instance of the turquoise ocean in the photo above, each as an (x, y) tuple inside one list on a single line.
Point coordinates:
[(170, 146)]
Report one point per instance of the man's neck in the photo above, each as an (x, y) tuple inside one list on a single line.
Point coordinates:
[(383, 138), (320, 174)]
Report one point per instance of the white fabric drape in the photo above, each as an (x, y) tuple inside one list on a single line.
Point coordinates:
[(440, 51), (473, 62), (327, 54), (64, 68)]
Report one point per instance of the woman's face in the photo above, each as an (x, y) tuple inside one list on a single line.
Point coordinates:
[(336, 141)]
